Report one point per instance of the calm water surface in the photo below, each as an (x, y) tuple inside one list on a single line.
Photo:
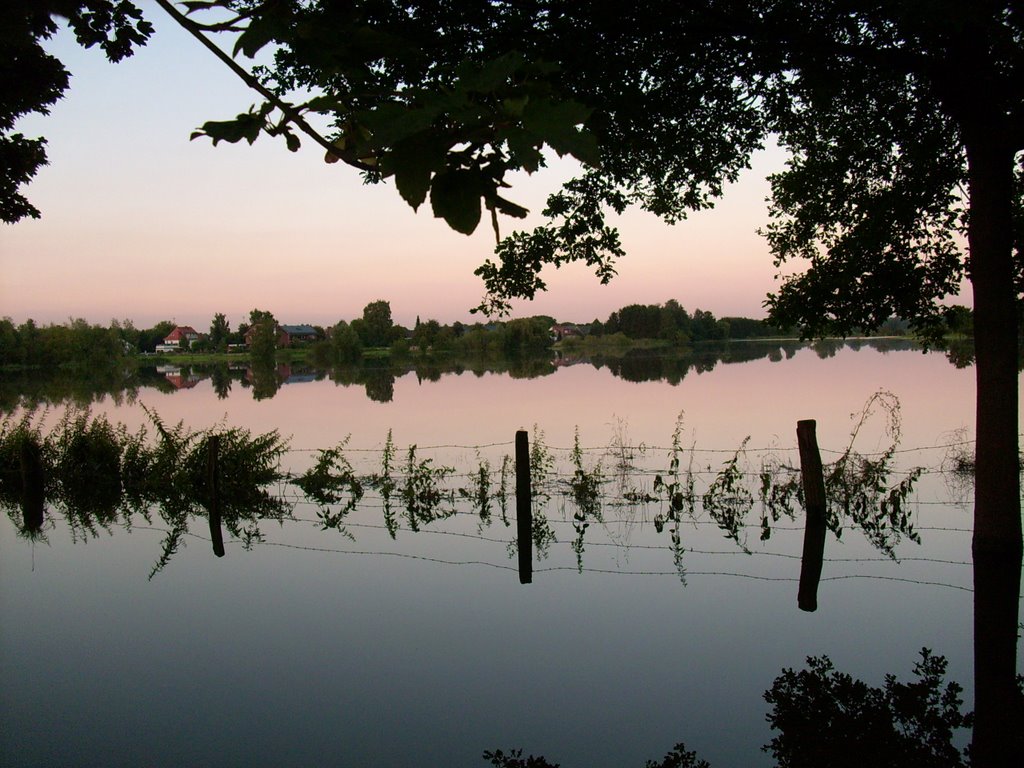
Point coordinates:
[(320, 648)]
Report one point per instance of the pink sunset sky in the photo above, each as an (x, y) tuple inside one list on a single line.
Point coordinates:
[(139, 222)]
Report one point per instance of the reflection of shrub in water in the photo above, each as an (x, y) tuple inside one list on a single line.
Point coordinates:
[(87, 468), (858, 488), (422, 492), (479, 490), (824, 717), (25, 459), (98, 475), (585, 493), (728, 500), (332, 481)]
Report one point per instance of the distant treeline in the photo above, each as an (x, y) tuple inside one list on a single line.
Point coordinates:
[(671, 322), (81, 344), (76, 344)]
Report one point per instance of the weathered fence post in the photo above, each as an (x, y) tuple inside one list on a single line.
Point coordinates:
[(524, 508), (213, 485), (33, 493), (814, 527)]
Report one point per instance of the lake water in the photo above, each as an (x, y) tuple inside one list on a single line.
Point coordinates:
[(351, 647)]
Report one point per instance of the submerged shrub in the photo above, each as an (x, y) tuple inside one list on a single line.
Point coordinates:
[(88, 466)]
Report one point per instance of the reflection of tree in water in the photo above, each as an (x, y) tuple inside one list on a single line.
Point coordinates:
[(634, 367), (33, 388), (524, 366), (380, 384), (30, 389), (220, 377), (378, 378), (826, 348), (822, 717), (265, 379)]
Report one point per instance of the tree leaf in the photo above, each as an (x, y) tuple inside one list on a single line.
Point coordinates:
[(261, 30), (201, 5), (509, 208), (325, 103), (492, 74), (412, 162), (555, 123), (393, 121), (524, 149), (455, 197), (246, 126)]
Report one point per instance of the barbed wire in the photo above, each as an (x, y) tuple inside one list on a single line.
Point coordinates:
[(647, 547), (645, 448), (575, 569)]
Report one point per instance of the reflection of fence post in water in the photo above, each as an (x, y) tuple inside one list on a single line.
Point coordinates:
[(814, 527), (213, 485), (33, 495), (524, 510)]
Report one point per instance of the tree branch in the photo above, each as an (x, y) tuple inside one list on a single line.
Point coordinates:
[(290, 112)]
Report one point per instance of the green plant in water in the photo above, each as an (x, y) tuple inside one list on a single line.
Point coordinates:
[(502, 495), (332, 481), (248, 465), (179, 481), (541, 534), (422, 493), (87, 469), (780, 492), (585, 492), (677, 493), (542, 467), (26, 471), (857, 487), (623, 456), (728, 500), (385, 484), (585, 485), (479, 491)]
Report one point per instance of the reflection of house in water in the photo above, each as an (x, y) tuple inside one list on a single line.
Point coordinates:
[(178, 378), (285, 374), (563, 360)]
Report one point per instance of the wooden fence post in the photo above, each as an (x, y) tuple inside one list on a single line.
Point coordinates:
[(524, 508), (213, 485), (814, 527), (33, 492)]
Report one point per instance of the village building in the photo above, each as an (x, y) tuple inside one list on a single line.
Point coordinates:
[(179, 339), (565, 330), (286, 334)]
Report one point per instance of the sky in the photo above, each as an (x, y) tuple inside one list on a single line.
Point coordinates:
[(139, 222)]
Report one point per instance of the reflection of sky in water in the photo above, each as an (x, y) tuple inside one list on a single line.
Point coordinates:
[(762, 399), (303, 652)]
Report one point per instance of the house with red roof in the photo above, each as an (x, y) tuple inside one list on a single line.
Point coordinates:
[(179, 339)]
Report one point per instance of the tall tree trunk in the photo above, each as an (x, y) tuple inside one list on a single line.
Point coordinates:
[(997, 524)]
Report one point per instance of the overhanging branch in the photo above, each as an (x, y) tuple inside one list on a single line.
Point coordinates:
[(290, 112)]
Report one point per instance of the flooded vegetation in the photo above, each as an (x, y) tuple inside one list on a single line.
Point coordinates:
[(356, 504)]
